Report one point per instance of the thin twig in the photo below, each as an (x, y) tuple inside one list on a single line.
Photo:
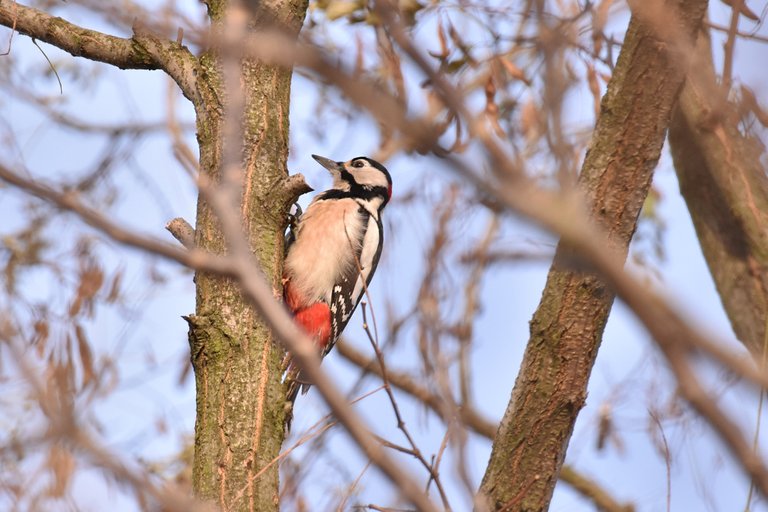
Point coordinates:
[(351, 489), (50, 64), (13, 31), (317, 429), (667, 457), (414, 450), (730, 43), (744, 35), (241, 266), (475, 421)]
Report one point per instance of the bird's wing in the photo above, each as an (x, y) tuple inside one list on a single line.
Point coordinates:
[(350, 286)]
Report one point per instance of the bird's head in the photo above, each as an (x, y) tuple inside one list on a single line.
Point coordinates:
[(361, 177)]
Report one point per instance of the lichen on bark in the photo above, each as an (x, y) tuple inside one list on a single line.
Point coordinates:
[(240, 397)]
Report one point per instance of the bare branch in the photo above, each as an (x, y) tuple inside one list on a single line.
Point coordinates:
[(241, 266), (738, 8), (592, 490), (182, 231), (744, 35), (466, 414), (143, 51), (69, 201), (561, 214), (294, 187), (78, 41), (475, 421)]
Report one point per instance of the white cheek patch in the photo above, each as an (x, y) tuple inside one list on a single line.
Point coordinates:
[(369, 177)]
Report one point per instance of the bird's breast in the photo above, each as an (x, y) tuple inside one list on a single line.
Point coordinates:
[(329, 237)]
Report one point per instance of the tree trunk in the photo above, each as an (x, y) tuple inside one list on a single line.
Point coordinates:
[(240, 399), (566, 330), (726, 191)]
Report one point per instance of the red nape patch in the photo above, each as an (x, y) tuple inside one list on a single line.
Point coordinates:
[(316, 320), (389, 192)]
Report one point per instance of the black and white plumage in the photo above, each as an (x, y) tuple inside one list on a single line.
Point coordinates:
[(336, 250)]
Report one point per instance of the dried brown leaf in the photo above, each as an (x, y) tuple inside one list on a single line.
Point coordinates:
[(392, 66), (114, 287), (186, 370), (599, 19), (91, 280), (67, 371), (514, 71), (444, 51), (86, 356), (594, 87), (42, 331), (529, 120), (62, 465), (339, 9), (359, 57), (491, 108), (459, 145), (74, 308)]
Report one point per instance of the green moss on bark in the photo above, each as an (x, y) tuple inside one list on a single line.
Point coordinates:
[(240, 397)]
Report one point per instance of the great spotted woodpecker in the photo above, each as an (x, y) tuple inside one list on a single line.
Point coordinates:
[(334, 252)]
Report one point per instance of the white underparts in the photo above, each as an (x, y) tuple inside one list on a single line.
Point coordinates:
[(327, 240)]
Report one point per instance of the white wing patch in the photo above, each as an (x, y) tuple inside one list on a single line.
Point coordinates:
[(367, 256), (350, 287)]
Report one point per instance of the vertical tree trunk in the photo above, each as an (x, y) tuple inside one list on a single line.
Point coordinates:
[(566, 329), (723, 182), (240, 398)]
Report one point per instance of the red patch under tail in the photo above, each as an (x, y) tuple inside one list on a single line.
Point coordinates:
[(316, 320)]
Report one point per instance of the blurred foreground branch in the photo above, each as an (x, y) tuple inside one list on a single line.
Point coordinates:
[(240, 266), (567, 328), (472, 419)]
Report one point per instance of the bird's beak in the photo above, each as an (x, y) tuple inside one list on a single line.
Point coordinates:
[(327, 163)]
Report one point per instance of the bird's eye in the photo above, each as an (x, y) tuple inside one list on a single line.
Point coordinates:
[(358, 163)]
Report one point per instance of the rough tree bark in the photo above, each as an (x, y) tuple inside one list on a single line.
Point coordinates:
[(240, 398), (723, 182), (566, 330)]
